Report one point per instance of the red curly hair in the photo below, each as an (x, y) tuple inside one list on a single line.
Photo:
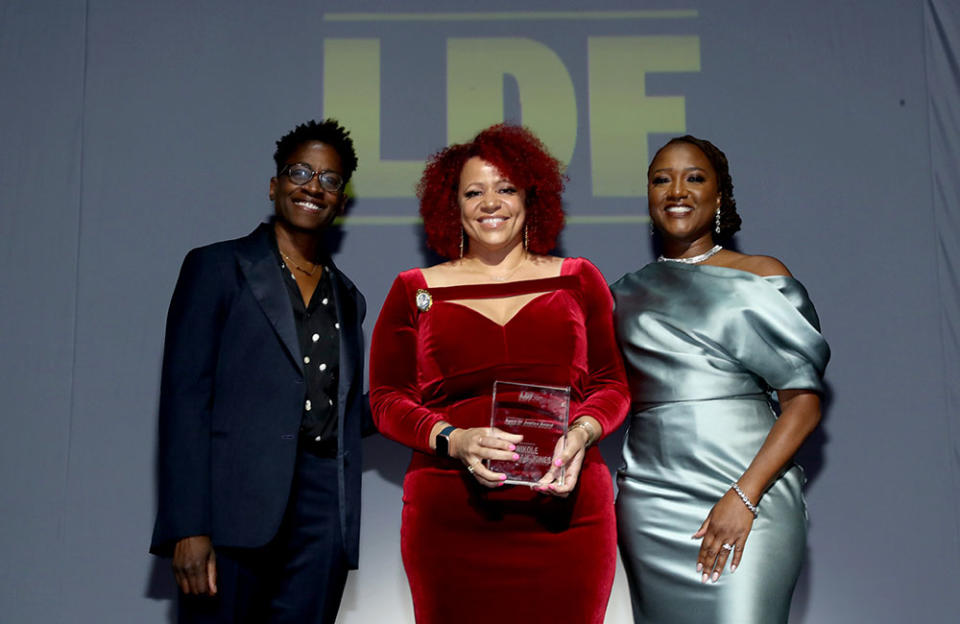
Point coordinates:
[(520, 157)]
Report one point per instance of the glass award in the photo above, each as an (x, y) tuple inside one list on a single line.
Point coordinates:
[(539, 414)]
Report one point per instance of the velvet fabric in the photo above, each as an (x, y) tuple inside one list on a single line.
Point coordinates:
[(507, 554)]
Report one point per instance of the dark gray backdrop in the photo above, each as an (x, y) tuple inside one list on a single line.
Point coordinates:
[(132, 132)]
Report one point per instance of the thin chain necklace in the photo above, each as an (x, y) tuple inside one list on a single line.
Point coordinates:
[(505, 276), (297, 266), (286, 238), (693, 259)]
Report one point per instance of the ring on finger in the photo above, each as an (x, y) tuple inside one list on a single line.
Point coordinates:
[(472, 466), (728, 547)]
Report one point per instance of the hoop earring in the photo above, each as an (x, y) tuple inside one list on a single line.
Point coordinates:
[(717, 222), (526, 239), (461, 242)]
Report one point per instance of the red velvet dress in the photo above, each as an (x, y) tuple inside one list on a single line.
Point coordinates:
[(507, 554)]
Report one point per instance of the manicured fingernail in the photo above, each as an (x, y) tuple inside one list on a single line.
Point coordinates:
[(733, 568), (558, 462), (715, 576), (699, 567), (498, 485), (513, 447), (503, 477), (705, 577), (515, 457)]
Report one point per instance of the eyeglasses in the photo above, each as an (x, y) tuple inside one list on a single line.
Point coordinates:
[(301, 173)]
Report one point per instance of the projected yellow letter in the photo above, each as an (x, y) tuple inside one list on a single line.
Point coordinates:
[(622, 115), (351, 94), (475, 71)]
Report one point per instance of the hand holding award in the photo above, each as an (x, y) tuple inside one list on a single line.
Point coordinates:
[(539, 414)]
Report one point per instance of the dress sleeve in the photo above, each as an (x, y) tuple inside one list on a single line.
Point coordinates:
[(394, 392), (781, 342), (606, 396)]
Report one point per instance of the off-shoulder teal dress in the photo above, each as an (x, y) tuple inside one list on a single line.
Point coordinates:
[(703, 346)]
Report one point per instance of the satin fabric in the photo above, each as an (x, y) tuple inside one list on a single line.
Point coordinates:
[(472, 554), (703, 347)]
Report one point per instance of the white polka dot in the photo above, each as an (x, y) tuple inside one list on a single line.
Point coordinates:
[(318, 439), (337, 325), (306, 359), (307, 405), (315, 337), (323, 367), (325, 301), (330, 401)]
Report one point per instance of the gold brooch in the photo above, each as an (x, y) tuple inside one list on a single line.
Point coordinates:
[(424, 300)]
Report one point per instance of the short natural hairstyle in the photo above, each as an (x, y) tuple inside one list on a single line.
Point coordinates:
[(520, 157), (328, 132), (729, 219)]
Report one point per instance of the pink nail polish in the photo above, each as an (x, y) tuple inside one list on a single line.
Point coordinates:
[(704, 578), (733, 568), (558, 463), (503, 477), (515, 457), (699, 567), (715, 576), (513, 447)]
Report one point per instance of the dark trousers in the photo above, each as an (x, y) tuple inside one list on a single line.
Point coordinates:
[(296, 579)]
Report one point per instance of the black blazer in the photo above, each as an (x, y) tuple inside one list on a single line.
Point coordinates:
[(232, 394)]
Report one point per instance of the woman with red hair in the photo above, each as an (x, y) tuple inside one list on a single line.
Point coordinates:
[(475, 549)]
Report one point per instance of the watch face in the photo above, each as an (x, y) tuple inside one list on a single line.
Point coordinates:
[(442, 446)]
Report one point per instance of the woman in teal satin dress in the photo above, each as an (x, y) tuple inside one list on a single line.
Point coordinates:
[(707, 333)]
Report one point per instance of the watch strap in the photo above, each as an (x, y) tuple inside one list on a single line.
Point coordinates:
[(443, 441)]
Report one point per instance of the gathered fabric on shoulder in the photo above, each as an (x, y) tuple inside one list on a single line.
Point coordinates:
[(704, 346)]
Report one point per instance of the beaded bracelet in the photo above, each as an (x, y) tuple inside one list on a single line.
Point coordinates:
[(746, 501)]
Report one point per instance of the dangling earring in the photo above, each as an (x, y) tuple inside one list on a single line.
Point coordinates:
[(526, 239), (717, 222), (461, 242)]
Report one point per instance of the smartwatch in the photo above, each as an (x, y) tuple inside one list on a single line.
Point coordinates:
[(443, 441)]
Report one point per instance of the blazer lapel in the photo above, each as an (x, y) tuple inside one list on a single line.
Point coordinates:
[(347, 300), (262, 272), (344, 297)]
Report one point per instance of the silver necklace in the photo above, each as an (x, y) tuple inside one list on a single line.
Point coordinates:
[(693, 259)]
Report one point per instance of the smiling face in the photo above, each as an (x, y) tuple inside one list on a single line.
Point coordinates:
[(492, 208), (308, 207), (683, 193)]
